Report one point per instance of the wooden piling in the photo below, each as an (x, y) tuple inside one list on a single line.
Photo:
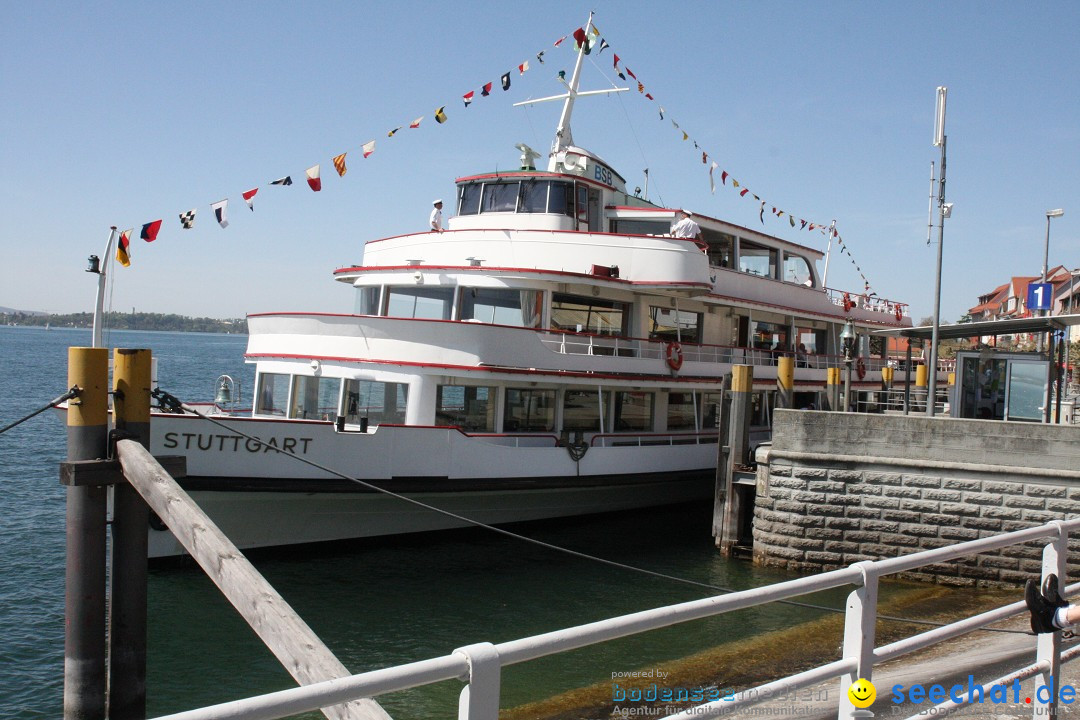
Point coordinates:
[(84, 573), (131, 517), (726, 501)]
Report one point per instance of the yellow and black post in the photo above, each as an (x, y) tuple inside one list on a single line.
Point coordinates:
[(785, 382), (832, 388), (84, 592), (131, 516)]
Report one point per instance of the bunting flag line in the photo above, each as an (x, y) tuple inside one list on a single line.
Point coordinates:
[(150, 230), (313, 180), (221, 209), (661, 112), (723, 177), (712, 181), (562, 76), (123, 248), (603, 46)]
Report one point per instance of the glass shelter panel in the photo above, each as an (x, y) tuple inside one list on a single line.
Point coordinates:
[(574, 313), (582, 411), (379, 402), (529, 410), (273, 394), (315, 398), (1027, 391), (757, 259), (633, 411), (465, 406), (419, 302)]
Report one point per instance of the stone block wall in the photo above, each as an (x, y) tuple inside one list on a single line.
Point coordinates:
[(825, 500)]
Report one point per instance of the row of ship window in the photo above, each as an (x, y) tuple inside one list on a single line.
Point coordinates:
[(524, 308), (476, 408)]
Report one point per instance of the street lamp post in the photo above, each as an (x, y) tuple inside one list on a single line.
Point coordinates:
[(847, 338), (1046, 258)]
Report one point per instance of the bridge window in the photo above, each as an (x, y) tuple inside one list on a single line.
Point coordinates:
[(379, 402), (797, 270), (640, 227), (465, 406), (469, 199), (420, 302), (499, 197), (574, 313), (529, 410), (721, 248), (367, 301), (757, 259), (315, 398)]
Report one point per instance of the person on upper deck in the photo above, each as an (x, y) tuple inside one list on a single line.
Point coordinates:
[(436, 217), (687, 228)]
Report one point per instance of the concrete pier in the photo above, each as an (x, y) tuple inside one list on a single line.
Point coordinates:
[(837, 488)]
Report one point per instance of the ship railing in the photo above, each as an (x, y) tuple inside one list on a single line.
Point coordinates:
[(569, 343), (647, 439), (515, 439), (480, 665)]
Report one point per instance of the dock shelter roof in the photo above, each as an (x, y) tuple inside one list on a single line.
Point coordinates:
[(1012, 326)]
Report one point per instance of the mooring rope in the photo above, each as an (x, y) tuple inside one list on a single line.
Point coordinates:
[(73, 392), (171, 401)]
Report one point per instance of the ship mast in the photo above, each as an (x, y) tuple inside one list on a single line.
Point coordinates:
[(563, 137)]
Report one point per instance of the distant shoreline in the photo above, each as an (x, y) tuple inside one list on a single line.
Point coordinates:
[(128, 321)]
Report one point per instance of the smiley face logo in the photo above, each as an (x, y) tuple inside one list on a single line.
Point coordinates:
[(862, 693)]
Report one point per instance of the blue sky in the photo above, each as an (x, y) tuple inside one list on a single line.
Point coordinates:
[(123, 113)]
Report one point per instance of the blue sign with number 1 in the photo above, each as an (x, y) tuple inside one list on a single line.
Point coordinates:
[(1039, 296)]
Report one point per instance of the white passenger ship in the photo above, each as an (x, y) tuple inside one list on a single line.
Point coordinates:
[(553, 352)]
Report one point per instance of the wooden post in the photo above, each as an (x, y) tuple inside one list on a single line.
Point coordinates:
[(726, 504), (131, 517), (84, 592), (286, 635), (785, 383)]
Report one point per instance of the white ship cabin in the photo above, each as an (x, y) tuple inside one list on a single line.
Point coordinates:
[(551, 305)]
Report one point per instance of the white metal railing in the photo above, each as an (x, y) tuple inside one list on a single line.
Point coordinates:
[(480, 665), (614, 346)]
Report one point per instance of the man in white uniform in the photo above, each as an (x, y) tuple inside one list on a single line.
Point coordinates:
[(685, 227), (436, 217)]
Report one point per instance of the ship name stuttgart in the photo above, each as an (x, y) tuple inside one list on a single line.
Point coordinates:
[(251, 445)]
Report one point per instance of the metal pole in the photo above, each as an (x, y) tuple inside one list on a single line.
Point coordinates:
[(1059, 375), (932, 390), (907, 381), (1049, 381), (131, 516), (99, 305), (84, 574)]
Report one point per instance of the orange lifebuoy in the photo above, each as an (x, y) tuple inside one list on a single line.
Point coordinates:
[(673, 355), (899, 314), (860, 368), (848, 302)]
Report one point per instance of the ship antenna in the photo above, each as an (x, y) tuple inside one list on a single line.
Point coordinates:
[(563, 137)]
